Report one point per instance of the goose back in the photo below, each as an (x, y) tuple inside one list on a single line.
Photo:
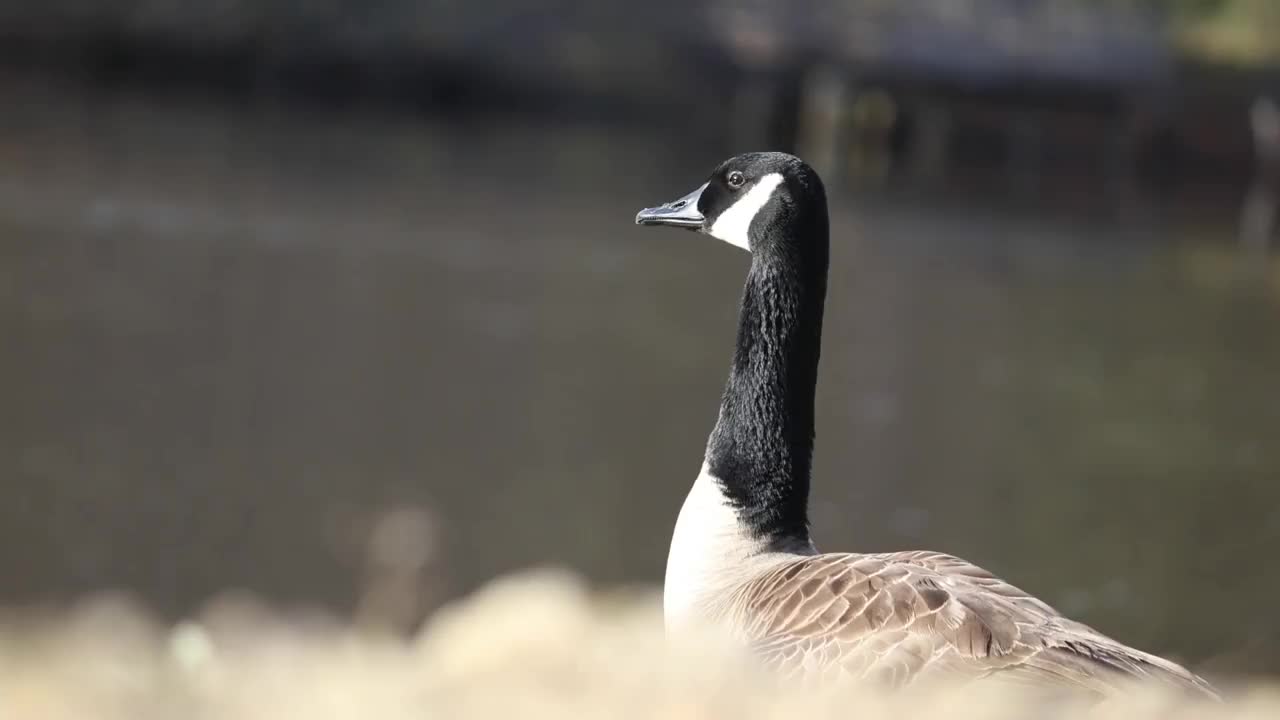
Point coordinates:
[(906, 617)]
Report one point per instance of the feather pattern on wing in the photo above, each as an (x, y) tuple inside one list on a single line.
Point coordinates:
[(899, 618)]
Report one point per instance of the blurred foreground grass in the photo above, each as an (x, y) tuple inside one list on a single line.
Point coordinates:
[(534, 645)]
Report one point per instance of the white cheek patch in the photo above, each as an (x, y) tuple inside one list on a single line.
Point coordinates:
[(734, 224)]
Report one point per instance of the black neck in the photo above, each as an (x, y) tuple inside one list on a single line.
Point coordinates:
[(762, 445)]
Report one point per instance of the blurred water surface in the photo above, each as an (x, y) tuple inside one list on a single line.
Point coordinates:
[(233, 336)]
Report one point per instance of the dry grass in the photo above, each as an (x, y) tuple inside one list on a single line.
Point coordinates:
[(536, 645)]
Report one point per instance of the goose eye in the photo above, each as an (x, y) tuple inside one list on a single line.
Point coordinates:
[(736, 180)]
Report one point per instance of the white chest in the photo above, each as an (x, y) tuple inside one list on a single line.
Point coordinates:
[(710, 552)]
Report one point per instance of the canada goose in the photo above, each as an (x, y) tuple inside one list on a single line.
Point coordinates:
[(741, 553)]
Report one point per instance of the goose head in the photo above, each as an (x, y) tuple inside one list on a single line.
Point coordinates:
[(750, 201)]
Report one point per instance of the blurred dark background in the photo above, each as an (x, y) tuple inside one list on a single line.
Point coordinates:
[(340, 302)]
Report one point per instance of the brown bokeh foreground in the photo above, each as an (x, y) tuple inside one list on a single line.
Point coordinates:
[(533, 645)]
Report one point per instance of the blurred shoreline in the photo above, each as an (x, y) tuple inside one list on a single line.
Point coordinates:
[(1106, 83)]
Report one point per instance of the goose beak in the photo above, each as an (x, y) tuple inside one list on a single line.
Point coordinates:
[(679, 213)]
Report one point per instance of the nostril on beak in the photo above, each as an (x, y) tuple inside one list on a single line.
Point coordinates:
[(679, 204)]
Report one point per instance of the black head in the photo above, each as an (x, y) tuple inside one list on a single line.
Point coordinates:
[(748, 200)]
